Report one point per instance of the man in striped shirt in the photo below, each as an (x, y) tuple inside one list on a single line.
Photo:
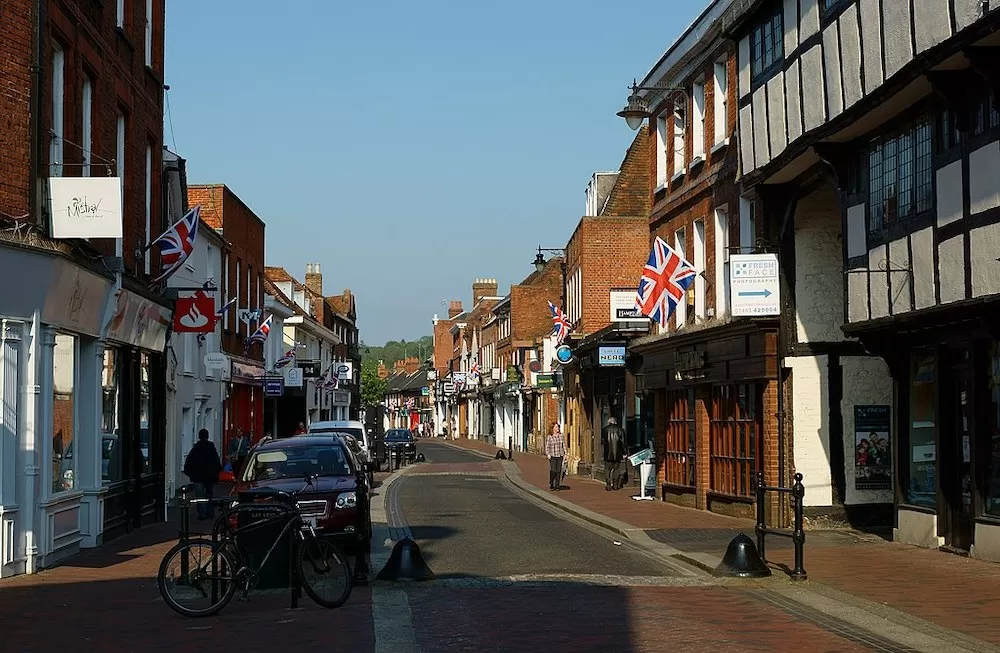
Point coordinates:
[(555, 451)]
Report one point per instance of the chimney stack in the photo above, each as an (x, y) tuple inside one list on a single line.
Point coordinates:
[(454, 309), (483, 288), (314, 279)]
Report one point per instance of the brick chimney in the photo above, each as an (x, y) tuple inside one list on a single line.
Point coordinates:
[(314, 278), (383, 372), (411, 364), (454, 309), (483, 288)]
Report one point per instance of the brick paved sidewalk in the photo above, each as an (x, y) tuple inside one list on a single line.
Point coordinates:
[(954, 592)]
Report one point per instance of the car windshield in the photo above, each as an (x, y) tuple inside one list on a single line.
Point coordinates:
[(398, 435), (297, 462), (356, 432)]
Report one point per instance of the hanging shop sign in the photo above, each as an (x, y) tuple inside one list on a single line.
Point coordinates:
[(611, 355), (513, 375), (872, 454), (274, 385), (194, 314), (623, 308), (564, 354), (310, 368), (754, 285), (345, 373), (293, 377), (425, 391), (86, 207), (546, 380)]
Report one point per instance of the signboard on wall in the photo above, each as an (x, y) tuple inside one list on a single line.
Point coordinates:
[(754, 285), (274, 385), (86, 207), (293, 377), (611, 355), (872, 453), (623, 308)]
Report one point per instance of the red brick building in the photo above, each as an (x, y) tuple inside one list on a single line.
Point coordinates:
[(243, 280), (604, 259), (82, 97), (711, 378)]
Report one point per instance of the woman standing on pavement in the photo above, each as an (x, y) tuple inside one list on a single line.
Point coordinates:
[(555, 451)]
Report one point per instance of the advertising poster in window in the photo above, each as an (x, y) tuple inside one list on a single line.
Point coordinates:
[(872, 454)]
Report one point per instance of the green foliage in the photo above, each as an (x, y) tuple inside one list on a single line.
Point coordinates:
[(393, 351), (372, 387)]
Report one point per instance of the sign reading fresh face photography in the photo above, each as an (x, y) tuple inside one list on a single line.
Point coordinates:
[(623, 308), (86, 207), (872, 454), (611, 355), (753, 280)]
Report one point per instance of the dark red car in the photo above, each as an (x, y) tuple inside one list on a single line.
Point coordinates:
[(337, 501)]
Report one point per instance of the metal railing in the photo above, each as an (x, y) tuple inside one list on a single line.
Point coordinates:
[(797, 534)]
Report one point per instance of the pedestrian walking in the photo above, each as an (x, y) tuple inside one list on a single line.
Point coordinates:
[(555, 451), (203, 466), (614, 455)]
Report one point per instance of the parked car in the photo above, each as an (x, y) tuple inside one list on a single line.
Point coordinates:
[(374, 449), (402, 439), (337, 500)]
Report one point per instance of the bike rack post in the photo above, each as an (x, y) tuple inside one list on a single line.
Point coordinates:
[(797, 534), (760, 527), (510, 448)]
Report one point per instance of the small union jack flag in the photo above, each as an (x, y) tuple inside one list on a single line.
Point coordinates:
[(560, 323), (474, 370), (665, 279), (225, 309), (177, 243), (260, 335), (285, 359)]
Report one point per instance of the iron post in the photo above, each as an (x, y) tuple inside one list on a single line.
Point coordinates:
[(799, 534), (759, 528)]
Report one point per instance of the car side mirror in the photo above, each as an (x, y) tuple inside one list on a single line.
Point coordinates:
[(309, 479)]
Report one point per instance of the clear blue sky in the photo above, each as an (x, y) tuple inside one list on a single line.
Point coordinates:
[(409, 147)]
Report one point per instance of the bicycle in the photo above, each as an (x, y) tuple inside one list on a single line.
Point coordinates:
[(229, 566)]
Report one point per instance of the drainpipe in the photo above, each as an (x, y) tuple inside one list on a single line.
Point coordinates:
[(35, 102)]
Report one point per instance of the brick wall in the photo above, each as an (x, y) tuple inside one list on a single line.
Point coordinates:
[(15, 95), (244, 233), (115, 61), (442, 346), (529, 308)]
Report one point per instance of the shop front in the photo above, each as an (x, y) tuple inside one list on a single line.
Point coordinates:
[(947, 428), (243, 408), (51, 317), (714, 415), (132, 413)]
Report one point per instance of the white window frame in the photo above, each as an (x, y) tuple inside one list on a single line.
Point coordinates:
[(721, 101), (120, 13), (87, 124), (58, 110), (721, 262), (748, 225), (662, 144), (680, 246), (697, 121), (699, 263), (149, 33), (121, 129), (149, 205), (679, 141)]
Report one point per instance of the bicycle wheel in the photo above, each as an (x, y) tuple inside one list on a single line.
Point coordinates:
[(325, 572), (197, 570)]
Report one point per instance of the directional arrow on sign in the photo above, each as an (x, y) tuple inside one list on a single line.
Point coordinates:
[(755, 293)]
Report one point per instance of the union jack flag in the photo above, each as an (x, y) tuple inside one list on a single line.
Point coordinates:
[(260, 335), (560, 323), (177, 243), (222, 311), (474, 370), (665, 279), (329, 380), (285, 359)]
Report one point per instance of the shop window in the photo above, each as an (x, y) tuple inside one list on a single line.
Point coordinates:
[(144, 413), (922, 462), (736, 438), (681, 439), (63, 412), (992, 503), (111, 458)]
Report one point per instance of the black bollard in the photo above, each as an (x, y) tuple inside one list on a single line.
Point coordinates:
[(799, 533), (406, 563), (761, 524), (742, 560), (510, 448)]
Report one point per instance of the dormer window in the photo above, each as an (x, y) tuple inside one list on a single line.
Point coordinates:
[(767, 45)]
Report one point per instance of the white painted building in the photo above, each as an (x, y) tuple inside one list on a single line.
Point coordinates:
[(870, 142)]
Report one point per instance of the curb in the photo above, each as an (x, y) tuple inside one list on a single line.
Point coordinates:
[(637, 536)]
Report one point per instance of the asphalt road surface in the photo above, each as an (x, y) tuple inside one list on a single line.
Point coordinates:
[(470, 525)]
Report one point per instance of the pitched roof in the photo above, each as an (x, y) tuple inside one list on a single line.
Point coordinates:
[(277, 274), (271, 289)]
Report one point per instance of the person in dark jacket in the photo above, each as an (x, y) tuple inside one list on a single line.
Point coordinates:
[(202, 466), (614, 455)]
